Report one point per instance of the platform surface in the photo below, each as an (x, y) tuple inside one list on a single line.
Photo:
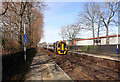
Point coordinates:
[(98, 56), (44, 68)]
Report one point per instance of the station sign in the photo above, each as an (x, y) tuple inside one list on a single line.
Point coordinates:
[(25, 36), (25, 40)]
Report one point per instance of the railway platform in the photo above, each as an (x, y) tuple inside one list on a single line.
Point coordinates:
[(44, 68), (97, 55)]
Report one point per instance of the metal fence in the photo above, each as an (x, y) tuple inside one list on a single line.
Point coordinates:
[(111, 49)]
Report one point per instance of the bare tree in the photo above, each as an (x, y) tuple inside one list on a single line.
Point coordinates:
[(62, 33), (88, 17), (27, 12), (70, 32), (12, 27), (99, 19), (19, 9), (37, 27), (110, 10), (34, 12), (5, 7)]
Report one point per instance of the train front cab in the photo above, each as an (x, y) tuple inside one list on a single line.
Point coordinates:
[(62, 47)]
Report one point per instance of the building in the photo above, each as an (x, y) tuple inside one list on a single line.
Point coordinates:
[(98, 40)]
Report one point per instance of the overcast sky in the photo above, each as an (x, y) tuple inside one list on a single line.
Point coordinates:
[(61, 14)]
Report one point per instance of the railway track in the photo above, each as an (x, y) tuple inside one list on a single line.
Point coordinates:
[(85, 75), (92, 71), (96, 69)]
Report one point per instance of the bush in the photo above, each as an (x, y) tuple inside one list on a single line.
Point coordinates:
[(89, 48), (10, 46)]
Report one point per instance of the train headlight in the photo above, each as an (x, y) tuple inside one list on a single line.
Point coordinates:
[(65, 48), (58, 48)]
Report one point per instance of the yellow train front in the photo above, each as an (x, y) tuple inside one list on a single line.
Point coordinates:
[(60, 47)]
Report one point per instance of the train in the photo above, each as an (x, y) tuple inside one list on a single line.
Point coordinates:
[(59, 47)]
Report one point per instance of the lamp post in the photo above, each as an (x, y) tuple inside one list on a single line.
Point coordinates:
[(117, 42), (25, 41), (118, 29)]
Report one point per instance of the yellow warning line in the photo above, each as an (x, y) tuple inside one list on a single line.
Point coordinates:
[(85, 75)]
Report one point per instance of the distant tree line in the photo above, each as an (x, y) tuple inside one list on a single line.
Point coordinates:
[(94, 16)]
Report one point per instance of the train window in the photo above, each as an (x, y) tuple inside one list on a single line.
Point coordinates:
[(64, 44), (59, 45)]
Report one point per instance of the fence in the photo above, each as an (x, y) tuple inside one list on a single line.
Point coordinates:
[(110, 49)]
